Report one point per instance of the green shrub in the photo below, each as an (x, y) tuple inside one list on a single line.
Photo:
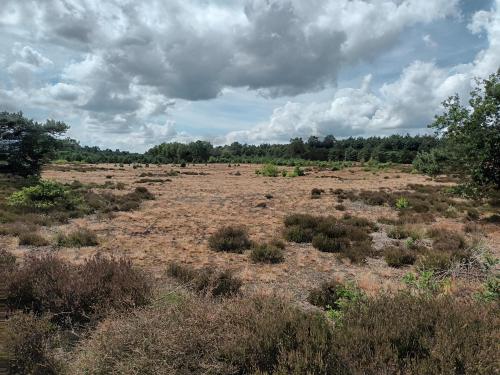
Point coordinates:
[(231, 238), (302, 220), (430, 163), (358, 252), (267, 253), (401, 203), (268, 170), (333, 295), (398, 257), (80, 237), (473, 214), (46, 195), (33, 239)]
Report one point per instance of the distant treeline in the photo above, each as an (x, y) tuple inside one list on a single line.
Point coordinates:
[(396, 149)]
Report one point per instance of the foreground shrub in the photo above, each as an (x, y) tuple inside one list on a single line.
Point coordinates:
[(78, 238), (206, 281), (298, 234), (413, 335), (398, 257), (231, 238), (254, 336), (268, 253), (30, 344), (76, 294), (399, 334)]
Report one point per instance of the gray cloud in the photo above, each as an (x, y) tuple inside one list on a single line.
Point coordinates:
[(119, 65)]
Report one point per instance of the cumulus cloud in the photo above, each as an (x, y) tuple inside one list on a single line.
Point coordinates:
[(120, 65), (407, 103)]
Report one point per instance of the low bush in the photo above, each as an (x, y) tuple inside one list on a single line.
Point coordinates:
[(33, 239), (80, 237), (398, 257), (267, 253), (7, 260), (316, 193), (268, 170), (260, 335), (359, 251), (398, 233), (340, 207), (330, 245), (206, 281), (76, 294), (44, 196), (417, 335), (302, 220), (30, 343), (400, 334), (333, 295), (231, 238), (298, 234)]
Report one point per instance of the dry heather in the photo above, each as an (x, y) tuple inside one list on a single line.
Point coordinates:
[(197, 203)]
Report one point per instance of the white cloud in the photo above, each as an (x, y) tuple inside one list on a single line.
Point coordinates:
[(408, 102), (118, 66)]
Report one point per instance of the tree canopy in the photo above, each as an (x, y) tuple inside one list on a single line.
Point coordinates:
[(25, 144)]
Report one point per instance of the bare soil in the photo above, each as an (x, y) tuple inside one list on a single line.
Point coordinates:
[(190, 207)]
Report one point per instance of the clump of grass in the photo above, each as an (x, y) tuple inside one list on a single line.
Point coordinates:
[(271, 253), (298, 234), (231, 239), (206, 281), (398, 257), (80, 237), (33, 239), (340, 207)]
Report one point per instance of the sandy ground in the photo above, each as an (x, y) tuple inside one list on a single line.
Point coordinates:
[(187, 209)]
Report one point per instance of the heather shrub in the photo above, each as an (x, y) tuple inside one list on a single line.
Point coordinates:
[(206, 281), (30, 343), (330, 244), (231, 238), (33, 239), (253, 336), (417, 335), (398, 257), (302, 220), (296, 233), (76, 294), (77, 238), (267, 253)]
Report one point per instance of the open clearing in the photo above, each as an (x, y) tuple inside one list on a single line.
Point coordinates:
[(191, 206)]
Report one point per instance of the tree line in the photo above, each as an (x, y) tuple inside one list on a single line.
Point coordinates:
[(466, 142)]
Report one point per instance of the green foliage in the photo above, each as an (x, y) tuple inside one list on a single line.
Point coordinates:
[(335, 297), (472, 134), (431, 163), (26, 145), (45, 195), (268, 170), (401, 203), (425, 283), (491, 290)]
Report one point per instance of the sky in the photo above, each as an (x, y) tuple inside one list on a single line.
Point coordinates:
[(132, 74)]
